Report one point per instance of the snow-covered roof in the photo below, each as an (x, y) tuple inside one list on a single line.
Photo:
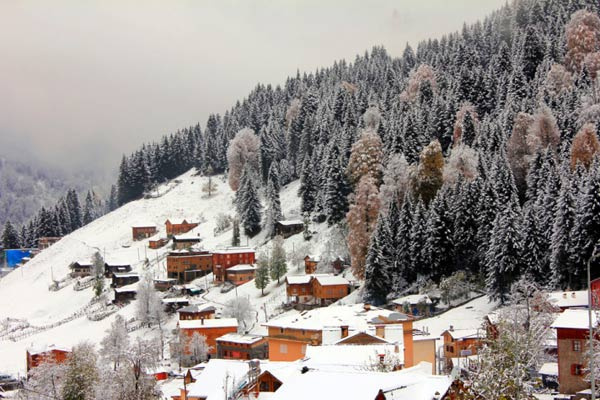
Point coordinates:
[(352, 315), (40, 348), (179, 221), (207, 323), (242, 267), (127, 288), (234, 250), (549, 368), (461, 334), (569, 299), (84, 264), (238, 338), (144, 224), (193, 234), (175, 300), (413, 299), (330, 280), (291, 222), (313, 258), (574, 319), (125, 274), (415, 383), (195, 308), (209, 384), (298, 279), (355, 333), (349, 355)]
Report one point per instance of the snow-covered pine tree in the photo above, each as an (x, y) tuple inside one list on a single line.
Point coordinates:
[(380, 258), (261, 280), (401, 272), (278, 264), (337, 188), (273, 212), (307, 190), (419, 267), (89, 212), (10, 237), (439, 247), (248, 204)]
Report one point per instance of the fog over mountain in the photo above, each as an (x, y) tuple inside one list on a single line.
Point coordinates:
[(84, 82)]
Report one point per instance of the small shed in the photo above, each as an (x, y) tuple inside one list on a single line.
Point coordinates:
[(174, 304), (80, 269), (125, 278), (418, 304), (197, 311), (287, 228), (125, 294), (164, 284), (143, 230)]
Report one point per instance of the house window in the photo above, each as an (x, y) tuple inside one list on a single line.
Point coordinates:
[(280, 330), (283, 348), (576, 369), (576, 345), (450, 349)]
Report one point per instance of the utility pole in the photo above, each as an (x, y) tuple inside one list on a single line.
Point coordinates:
[(589, 282)]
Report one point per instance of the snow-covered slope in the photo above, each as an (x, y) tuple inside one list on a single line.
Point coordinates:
[(25, 294)]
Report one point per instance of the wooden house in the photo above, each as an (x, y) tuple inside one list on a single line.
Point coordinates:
[(120, 279), (242, 347), (113, 266), (572, 332), (288, 228), (157, 243), (164, 284), (299, 289), (461, 343), (177, 227), (47, 241), (125, 294), (143, 231), (175, 303), (38, 355), (223, 259), (186, 240), (414, 304), (318, 289), (211, 328), (80, 269), (310, 264), (185, 265), (197, 311), (339, 265), (241, 273), (561, 301)]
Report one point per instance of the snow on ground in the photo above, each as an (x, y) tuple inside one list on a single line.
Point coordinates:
[(24, 293)]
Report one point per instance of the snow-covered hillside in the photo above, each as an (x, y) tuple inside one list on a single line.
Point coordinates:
[(25, 294)]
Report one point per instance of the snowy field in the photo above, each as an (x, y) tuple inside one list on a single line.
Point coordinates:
[(24, 293)]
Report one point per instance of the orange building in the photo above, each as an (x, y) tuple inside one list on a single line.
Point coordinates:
[(319, 289), (186, 266), (37, 356), (177, 227), (211, 328), (289, 335), (158, 243), (461, 343), (224, 259), (241, 273)]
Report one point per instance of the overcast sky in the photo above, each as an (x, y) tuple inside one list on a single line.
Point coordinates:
[(82, 82)]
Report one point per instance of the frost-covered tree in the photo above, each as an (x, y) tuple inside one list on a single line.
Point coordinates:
[(80, 374), (98, 267), (543, 132), (583, 37), (585, 146), (463, 161), (424, 75), (47, 379), (362, 218), (261, 279), (114, 346), (148, 304), (379, 260), (242, 154), (10, 237), (278, 264), (429, 176), (273, 212), (198, 349), (366, 157), (396, 180), (241, 309), (518, 151)]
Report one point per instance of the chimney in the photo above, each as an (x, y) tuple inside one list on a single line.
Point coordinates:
[(451, 328), (202, 321), (564, 295), (344, 331), (573, 295), (396, 348), (367, 307)]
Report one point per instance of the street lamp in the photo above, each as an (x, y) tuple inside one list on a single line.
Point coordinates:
[(589, 282)]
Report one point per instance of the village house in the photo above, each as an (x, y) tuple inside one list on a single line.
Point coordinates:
[(157, 243), (223, 259), (572, 331), (116, 266), (242, 347), (414, 304), (241, 273), (163, 285), (143, 230), (310, 264), (37, 355), (565, 300), (187, 265), (288, 228), (124, 294), (80, 269), (177, 227), (339, 265), (197, 311), (186, 240), (288, 336), (461, 343), (120, 279), (173, 304), (211, 328), (318, 289), (47, 241)]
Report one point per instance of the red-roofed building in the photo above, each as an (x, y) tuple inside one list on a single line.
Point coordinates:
[(224, 259), (177, 227)]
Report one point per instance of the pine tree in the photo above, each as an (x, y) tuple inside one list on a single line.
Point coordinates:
[(261, 279), (235, 240), (380, 256), (248, 204), (273, 212), (402, 272), (81, 373), (562, 271), (278, 266), (336, 189), (10, 237), (419, 263), (307, 190), (439, 248), (89, 212), (72, 202)]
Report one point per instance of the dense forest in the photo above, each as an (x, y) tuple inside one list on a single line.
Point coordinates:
[(474, 152)]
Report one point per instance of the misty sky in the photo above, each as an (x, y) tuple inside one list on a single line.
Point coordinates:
[(83, 81)]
